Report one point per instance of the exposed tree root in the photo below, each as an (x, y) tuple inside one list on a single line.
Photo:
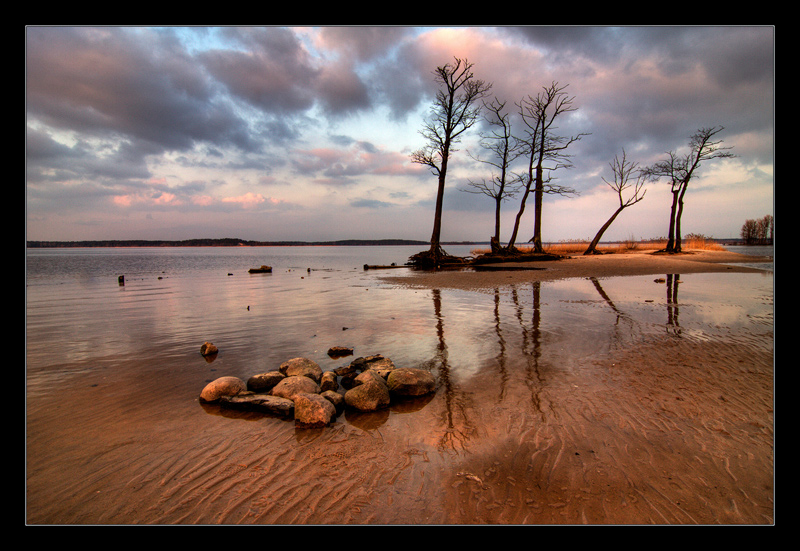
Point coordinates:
[(436, 257)]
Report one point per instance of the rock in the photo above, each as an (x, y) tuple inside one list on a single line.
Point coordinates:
[(264, 382), (300, 389), (334, 398), (262, 403), (375, 362), (409, 381), (224, 386), (295, 384), (328, 381), (313, 410), (344, 370), (303, 367), (382, 366), (207, 349), (363, 363), (339, 351), (262, 270), (369, 394)]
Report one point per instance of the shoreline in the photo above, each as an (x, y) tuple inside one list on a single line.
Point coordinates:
[(490, 276)]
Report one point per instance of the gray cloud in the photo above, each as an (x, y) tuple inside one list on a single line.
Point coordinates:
[(231, 111)]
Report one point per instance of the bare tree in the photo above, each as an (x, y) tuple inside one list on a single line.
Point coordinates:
[(761, 231), (455, 110), (680, 169), (546, 152), (623, 172), (503, 150)]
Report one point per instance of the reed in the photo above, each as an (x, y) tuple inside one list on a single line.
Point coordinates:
[(578, 247)]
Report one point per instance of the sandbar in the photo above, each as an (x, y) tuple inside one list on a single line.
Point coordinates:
[(578, 266)]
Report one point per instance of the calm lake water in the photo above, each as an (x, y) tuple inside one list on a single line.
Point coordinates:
[(80, 320)]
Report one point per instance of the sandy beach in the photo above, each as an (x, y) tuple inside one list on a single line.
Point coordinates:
[(650, 429)]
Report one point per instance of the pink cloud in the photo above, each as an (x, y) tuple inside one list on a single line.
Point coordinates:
[(247, 200)]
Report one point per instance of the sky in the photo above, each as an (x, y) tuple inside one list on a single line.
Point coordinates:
[(306, 133)]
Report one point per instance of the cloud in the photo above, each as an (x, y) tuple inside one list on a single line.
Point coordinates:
[(248, 200), (198, 123)]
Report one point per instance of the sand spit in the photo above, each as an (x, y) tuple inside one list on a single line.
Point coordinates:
[(605, 265)]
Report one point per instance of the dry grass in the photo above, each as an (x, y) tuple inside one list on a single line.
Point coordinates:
[(578, 247)]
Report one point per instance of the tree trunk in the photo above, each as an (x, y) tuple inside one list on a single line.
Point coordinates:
[(592, 248), (671, 237), (498, 202), (538, 196), (677, 247), (512, 241), (436, 249)]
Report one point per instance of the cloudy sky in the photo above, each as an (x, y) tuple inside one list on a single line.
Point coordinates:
[(305, 133)]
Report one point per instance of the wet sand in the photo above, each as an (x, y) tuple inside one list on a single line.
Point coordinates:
[(604, 265), (664, 429)]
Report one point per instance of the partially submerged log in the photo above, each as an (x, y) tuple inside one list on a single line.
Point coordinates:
[(262, 270), (384, 266)]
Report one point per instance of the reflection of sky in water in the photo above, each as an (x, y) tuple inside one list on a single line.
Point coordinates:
[(259, 321), (578, 319)]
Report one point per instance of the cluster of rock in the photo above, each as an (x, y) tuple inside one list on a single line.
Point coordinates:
[(300, 389)]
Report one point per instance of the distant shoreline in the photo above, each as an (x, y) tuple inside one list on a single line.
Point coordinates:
[(234, 242), (226, 242)]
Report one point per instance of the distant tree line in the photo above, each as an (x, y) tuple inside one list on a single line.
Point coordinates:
[(760, 231), (224, 242)]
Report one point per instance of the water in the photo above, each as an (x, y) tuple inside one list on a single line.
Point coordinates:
[(173, 299), (79, 319), (545, 390), (755, 250)]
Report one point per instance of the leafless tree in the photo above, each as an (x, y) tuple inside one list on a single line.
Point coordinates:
[(761, 231), (503, 150), (546, 152), (679, 170), (626, 176), (456, 109)]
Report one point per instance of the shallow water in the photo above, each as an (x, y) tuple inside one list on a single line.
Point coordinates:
[(558, 402)]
